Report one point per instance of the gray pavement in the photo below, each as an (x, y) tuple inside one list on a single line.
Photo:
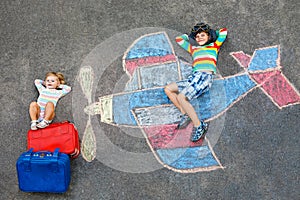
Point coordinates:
[(258, 143)]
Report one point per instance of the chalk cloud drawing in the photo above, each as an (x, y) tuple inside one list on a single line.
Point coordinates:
[(151, 63)]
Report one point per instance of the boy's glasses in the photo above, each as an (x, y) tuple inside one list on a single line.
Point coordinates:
[(200, 27)]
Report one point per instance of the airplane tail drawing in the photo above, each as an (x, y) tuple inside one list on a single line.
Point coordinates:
[(265, 70)]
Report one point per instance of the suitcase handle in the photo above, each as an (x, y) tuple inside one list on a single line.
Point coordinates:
[(29, 152), (28, 155), (55, 156), (55, 153), (27, 158)]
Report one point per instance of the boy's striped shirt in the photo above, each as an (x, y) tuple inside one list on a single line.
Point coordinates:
[(204, 57)]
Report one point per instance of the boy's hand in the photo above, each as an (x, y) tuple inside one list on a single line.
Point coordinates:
[(193, 42)]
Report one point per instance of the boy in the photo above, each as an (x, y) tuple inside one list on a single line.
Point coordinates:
[(203, 44)]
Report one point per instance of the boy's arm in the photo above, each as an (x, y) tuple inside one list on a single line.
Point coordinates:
[(222, 34), (183, 41)]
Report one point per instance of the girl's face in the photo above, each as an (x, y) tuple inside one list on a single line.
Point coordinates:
[(201, 38), (52, 82)]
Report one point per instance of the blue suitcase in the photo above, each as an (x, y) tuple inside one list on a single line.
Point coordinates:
[(44, 171)]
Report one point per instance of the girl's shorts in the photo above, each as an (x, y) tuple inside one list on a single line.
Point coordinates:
[(196, 84)]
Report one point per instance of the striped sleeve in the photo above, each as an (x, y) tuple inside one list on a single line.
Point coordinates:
[(39, 84), (222, 34), (65, 89), (183, 41)]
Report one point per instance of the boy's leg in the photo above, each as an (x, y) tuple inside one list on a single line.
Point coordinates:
[(171, 91), (185, 104), (197, 85), (200, 127)]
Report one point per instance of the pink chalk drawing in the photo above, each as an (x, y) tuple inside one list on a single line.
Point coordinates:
[(151, 63), (271, 80)]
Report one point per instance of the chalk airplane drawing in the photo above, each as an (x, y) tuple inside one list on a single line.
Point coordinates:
[(151, 63)]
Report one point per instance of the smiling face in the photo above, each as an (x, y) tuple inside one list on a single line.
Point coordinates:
[(202, 38), (52, 82)]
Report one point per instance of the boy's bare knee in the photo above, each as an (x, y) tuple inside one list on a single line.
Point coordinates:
[(166, 89), (181, 97), (172, 87)]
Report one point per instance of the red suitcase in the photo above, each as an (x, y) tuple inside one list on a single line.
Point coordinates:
[(62, 135)]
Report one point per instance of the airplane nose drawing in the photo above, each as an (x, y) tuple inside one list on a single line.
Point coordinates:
[(151, 63)]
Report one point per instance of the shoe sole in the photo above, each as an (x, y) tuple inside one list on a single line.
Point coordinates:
[(41, 126), (184, 125)]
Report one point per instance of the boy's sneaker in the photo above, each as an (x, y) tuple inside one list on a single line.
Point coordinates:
[(199, 131), (184, 121), (33, 125), (43, 124)]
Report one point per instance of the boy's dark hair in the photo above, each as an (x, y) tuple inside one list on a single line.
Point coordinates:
[(202, 27)]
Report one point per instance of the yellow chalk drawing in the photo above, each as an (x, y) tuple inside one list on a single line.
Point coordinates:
[(93, 109), (88, 149), (86, 81), (106, 109), (88, 144)]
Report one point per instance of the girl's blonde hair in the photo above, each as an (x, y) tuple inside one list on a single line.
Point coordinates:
[(59, 75)]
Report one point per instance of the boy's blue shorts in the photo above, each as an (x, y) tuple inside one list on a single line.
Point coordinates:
[(196, 84)]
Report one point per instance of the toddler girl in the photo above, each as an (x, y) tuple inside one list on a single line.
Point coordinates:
[(50, 91)]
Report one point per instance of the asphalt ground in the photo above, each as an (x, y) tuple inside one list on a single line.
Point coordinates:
[(258, 143)]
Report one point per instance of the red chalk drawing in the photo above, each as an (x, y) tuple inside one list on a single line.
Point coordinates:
[(269, 79), (277, 87), (167, 136), (133, 64), (242, 58)]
